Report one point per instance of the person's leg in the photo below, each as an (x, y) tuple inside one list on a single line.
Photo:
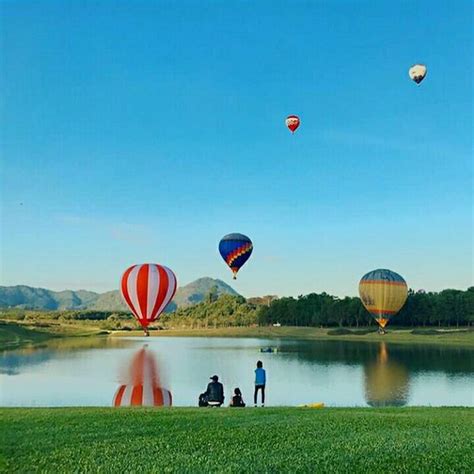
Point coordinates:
[(255, 395), (263, 394)]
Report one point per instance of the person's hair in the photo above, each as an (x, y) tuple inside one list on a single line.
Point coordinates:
[(237, 391), (259, 364)]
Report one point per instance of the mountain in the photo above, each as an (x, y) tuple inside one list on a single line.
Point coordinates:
[(26, 297), (197, 290)]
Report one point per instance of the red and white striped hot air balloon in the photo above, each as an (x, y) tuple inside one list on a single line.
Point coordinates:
[(292, 122), (142, 385), (147, 289)]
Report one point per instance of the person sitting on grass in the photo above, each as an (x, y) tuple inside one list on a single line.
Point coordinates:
[(203, 402), (215, 392), (260, 381), (237, 400)]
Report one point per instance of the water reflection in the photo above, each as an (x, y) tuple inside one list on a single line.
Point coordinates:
[(390, 374), (11, 362), (141, 384), (338, 373), (416, 358), (386, 381)]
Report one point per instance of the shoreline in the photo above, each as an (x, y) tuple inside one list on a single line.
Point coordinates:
[(456, 337), (15, 335)]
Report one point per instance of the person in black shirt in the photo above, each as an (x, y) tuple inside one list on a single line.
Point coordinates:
[(237, 400), (215, 392)]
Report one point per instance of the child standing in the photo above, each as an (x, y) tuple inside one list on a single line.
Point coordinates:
[(260, 381)]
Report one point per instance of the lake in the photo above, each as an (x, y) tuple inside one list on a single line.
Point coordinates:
[(90, 372)]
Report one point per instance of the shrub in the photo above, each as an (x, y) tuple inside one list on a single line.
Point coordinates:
[(425, 332), (339, 332)]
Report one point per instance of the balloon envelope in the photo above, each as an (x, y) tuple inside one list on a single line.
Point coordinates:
[(292, 122), (383, 293), (147, 289), (417, 72), (141, 386), (235, 249)]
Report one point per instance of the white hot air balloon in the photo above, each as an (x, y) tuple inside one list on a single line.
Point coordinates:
[(417, 72)]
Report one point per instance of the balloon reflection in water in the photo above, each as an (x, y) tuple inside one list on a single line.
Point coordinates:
[(386, 382), (142, 385)]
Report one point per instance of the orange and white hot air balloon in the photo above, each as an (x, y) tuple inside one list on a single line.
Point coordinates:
[(147, 289), (292, 122), (142, 386)]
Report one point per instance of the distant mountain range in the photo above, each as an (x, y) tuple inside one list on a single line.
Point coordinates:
[(26, 297)]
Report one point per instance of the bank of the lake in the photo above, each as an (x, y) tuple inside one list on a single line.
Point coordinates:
[(460, 337), (238, 440), (17, 335)]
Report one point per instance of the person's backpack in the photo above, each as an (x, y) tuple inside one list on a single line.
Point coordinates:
[(203, 402)]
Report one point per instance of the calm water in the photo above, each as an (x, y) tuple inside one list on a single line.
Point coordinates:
[(89, 372)]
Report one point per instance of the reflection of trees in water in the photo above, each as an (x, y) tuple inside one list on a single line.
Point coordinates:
[(386, 382), (415, 358), (387, 367), (11, 362)]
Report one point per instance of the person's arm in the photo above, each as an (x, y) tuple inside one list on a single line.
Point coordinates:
[(222, 393), (264, 376)]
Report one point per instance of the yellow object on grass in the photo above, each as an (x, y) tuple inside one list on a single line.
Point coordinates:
[(313, 405)]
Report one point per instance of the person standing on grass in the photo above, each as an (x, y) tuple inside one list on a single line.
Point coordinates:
[(260, 381)]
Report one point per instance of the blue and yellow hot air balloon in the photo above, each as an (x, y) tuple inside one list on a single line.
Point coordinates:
[(383, 293), (235, 249)]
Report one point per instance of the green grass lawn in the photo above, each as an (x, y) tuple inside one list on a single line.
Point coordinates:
[(232, 440), (15, 336)]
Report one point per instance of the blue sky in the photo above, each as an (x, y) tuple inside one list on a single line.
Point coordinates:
[(144, 131)]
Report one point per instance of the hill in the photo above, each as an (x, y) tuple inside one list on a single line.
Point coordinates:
[(196, 291), (26, 297)]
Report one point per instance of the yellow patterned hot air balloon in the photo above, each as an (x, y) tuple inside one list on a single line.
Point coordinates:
[(383, 293)]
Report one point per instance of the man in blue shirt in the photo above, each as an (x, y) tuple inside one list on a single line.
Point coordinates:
[(260, 381)]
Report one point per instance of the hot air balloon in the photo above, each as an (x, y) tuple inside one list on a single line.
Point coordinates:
[(147, 289), (417, 72), (292, 122), (141, 386), (235, 249), (383, 293)]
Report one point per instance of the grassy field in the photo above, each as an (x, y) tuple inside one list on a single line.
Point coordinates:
[(15, 336), (232, 440)]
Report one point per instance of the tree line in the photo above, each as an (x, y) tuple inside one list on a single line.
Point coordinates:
[(447, 308)]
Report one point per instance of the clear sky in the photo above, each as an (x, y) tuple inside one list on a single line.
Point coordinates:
[(143, 131)]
